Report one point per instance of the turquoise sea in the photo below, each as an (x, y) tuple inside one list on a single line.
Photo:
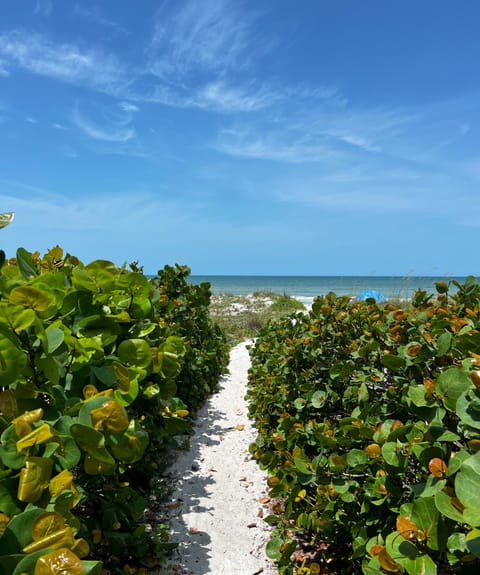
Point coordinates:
[(306, 288)]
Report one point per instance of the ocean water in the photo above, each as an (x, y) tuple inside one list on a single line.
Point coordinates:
[(305, 288)]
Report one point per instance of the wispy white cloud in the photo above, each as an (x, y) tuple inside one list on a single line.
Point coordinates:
[(66, 62), (354, 140), (31, 120), (324, 126), (111, 127), (57, 126), (274, 146), (223, 97), (210, 37), (128, 107)]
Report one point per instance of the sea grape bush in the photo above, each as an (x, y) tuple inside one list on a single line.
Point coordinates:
[(90, 362), (183, 307), (368, 419)]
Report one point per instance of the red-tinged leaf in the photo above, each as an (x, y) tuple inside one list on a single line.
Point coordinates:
[(437, 467)]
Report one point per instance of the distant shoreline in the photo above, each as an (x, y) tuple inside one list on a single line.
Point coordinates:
[(308, 287)]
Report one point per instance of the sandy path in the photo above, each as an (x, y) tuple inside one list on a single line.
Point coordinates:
[(215, 508)]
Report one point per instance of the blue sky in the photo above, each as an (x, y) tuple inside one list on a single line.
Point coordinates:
[(316, 137)]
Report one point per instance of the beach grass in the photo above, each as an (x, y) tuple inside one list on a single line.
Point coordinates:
[(242, 316)]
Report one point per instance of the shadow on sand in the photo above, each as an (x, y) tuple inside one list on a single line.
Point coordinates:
[(193, 487)]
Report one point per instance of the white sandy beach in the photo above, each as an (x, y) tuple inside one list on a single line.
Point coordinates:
[(217, 507)]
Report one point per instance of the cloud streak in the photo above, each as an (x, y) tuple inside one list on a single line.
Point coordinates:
[(211, 36), (65, 62), (112, 128)]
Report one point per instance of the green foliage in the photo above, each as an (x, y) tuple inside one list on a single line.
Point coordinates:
[(368, 421), (241, 317), (185, 308), (93, 364)]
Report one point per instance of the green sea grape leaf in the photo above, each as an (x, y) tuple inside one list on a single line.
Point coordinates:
[(393, 362), (132, 446), (467, 481), (69, 454), (425, 515), (92, 567), (457, 543), (135, 352), (318, 399), (25, 564), (99, 325), (23, 319), (82, 280), (126, 398), (468, 409), (25, 263), (94, 466), (55, 337), (356, 457), (8, 450), (444, 504), (8, 497), (443, 343), (450, 384), (135, 283), (92, 442), (122, 376), (471, 515), (390, 453), (12, 361), (29, 297), (18, 533)]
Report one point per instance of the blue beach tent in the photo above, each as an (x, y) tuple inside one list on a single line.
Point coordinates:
[(371, 293)]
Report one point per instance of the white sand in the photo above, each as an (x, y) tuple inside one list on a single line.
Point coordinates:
[(216, 512)]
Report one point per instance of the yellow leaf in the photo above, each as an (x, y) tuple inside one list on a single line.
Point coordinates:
[(34, 478), (387, 563), (112, 415), (96, 536), (182, 412), (57, 540), (48, 523), (373, 450), (23, 422), (81, 548), (59, 562), (38, 436), (240, 427), (301, 495), (60, 482), (89, 391)]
